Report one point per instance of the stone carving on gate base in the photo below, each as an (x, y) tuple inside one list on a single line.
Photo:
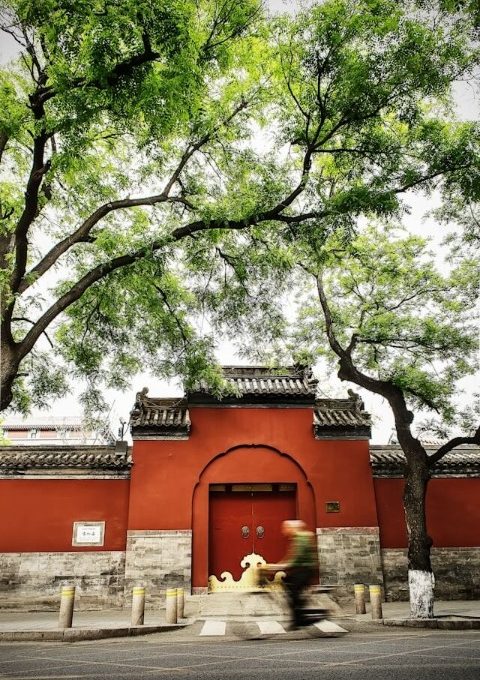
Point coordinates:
[(249, 580)]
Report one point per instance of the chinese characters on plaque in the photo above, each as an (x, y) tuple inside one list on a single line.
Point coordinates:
[(88, 533)]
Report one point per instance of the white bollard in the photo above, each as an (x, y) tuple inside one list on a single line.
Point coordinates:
[(180, 603), (138, 606), (67, 599), (359, 592), (171, 606), (376, 601)]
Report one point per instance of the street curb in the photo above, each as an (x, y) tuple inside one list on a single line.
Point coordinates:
[(439, 624), (366, 626), (354, 626), (351, 625), (79, 634)]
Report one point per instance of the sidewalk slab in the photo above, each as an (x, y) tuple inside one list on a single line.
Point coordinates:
[(449, 615), (87, 625), (78, 634), (109, 623)]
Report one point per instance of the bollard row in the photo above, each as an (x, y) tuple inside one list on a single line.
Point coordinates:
[(175, 605), (375, 600)]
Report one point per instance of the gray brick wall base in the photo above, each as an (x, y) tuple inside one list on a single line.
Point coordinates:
[(158, 560), (162, 559), (34, 580), (457, 573), (349, 555)]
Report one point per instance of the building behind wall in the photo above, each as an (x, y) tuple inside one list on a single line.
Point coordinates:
[(203, 490), (52, 431)]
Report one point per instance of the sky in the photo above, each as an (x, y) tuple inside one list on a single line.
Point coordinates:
[(467, 105)]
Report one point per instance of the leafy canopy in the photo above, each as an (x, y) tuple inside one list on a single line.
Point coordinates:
[(400, 318), (108, 100), (162, 161)]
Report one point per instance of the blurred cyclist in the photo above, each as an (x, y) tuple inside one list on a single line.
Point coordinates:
[(300, 565)]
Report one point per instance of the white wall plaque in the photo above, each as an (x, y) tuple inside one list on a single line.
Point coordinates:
[(88, 533)]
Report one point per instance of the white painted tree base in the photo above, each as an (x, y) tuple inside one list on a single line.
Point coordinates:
[(421, 585)]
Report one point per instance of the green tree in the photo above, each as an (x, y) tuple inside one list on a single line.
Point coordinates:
[(133, 188), (3, 440), (108, 104), (463, 213), (377, 125), (393, 324)]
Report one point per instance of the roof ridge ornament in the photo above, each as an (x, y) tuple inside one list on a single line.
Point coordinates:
[(159, 416), (141, 401), (357, 400)]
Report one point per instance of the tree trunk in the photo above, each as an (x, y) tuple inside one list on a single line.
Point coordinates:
[(420, 576), (9, 363)]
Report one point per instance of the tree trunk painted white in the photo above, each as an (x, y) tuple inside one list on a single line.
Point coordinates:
[(421, 585)]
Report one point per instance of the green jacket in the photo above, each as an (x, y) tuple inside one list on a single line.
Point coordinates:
[(304, 553)]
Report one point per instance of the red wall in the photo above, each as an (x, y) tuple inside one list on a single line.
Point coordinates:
[(37, 515), (165, 472), (170, 479), (453, 512)]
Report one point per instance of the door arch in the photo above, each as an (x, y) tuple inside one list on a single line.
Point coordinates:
[(244, 464)]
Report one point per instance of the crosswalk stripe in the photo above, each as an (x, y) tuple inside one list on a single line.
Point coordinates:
[(213, 628), (270, 627), (329, 627)]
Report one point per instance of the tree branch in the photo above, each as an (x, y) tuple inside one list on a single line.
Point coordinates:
[(30, 211), (172, 312), (82, 233), (220, 20), (192, 148), (24, 318), (452, 444), (230, 261), (121, 70), (427, 178), (3, 143), (102, 270), (394, 395)]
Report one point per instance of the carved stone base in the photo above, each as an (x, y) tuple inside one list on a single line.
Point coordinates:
[(249, 580)]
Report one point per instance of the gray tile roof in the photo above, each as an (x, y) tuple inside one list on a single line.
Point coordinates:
[(159, 416), (389, 461), (170, 418), (262, 380), (18, 458), (336, 417), (257, 384)]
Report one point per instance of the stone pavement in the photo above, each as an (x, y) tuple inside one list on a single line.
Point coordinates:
[(266, 611)]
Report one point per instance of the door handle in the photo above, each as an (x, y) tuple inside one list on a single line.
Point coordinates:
[(260, 531), (245, 532)]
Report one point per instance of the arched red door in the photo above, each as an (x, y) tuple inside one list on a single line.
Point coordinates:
[(237, 471), (247, 519)]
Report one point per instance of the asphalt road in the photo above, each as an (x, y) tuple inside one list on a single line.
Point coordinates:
[(392, 655)]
